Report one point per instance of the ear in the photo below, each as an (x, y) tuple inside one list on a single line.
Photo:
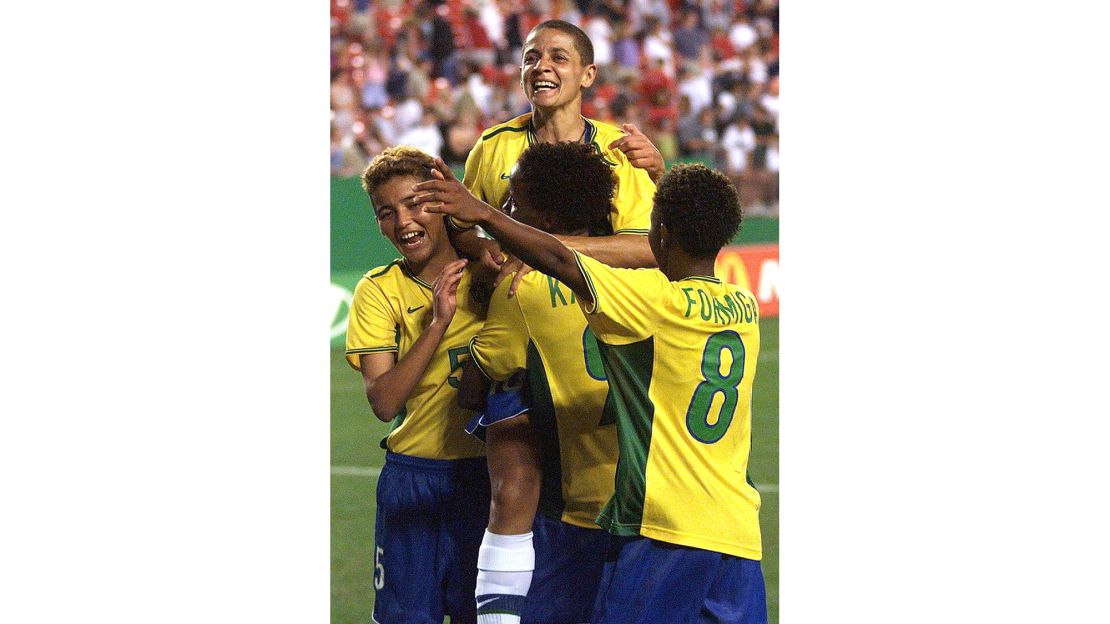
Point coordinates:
[(550, 224), (664, 237), (590, 75)]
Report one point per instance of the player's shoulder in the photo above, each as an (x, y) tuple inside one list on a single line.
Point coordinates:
[(532, 281), (385, 272), (517, 126), (601, 134), (739, 290), (604, 131), (386, 277)]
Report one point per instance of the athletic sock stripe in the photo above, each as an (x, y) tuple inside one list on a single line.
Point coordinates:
[(500, 603)]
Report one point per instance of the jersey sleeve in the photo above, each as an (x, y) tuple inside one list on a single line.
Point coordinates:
[(473, 174), (371, 326), (632, 204), (626, 302), (500, 348)]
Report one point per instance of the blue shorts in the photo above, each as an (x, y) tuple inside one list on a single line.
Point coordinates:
[(431, 517), (648, 581), (506, 400), (569, 561)]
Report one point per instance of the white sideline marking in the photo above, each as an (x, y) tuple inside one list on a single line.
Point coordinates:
[(369, 471), (356, 471)]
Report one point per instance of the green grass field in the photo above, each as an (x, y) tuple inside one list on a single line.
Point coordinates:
[(356, 457)]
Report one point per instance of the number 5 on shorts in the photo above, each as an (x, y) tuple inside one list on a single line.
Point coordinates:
[(379, 569)]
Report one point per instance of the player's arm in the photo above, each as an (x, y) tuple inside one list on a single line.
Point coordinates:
[(389, 383), (466, 241), (498, 352), (537, 249), (630, 251)]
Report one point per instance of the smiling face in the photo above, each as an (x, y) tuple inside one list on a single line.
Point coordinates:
[(552, 73), (418, 235)]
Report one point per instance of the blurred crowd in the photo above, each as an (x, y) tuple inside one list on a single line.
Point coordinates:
[(698, 77)]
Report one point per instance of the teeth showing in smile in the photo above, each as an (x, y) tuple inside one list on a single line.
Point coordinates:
[(542, 85), (409, 237)]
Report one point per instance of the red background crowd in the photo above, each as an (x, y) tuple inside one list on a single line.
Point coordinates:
[(699, 78)]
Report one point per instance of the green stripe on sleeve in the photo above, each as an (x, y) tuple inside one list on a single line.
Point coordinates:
[(473, 358), (372, 350), (589, 284)]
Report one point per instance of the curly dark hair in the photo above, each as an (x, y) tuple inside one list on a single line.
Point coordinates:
[(397, 161), (569, 182), (700, 208)]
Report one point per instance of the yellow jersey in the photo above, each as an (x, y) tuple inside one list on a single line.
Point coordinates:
[(493, 157), (681, 358), (541, 330), (390, 309)]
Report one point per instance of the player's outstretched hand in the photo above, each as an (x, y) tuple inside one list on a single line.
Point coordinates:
[(444, 292), (446, 195), (640, 152), (512, 264)]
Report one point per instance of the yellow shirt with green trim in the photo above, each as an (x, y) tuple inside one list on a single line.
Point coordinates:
[(541, 330), (681, 358), (494, 156), (390, 309)]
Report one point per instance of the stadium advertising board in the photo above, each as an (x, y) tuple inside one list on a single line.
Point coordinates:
[(755, 267)]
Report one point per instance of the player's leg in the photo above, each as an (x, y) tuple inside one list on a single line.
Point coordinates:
[(647, 581), (507, 559), (569, 561), (738, 596), (406, 584)]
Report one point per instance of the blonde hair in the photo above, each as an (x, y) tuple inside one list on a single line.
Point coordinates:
[(400, 160)]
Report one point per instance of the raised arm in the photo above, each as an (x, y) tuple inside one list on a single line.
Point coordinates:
[(620, 250), (389, 383), (538, 249)]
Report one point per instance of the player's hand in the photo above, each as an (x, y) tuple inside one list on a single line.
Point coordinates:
[(491, 257), (510, 265), (640, 152), (446, 195), (484, 251), (444, 292)]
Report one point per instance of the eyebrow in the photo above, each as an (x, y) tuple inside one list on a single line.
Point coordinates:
[(553, 50)]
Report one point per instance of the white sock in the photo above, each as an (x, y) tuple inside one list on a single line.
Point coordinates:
[(505, 565)]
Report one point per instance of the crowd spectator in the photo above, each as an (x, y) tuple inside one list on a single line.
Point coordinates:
[(699, 77)]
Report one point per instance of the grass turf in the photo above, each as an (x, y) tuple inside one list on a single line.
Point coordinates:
[(354, 442)]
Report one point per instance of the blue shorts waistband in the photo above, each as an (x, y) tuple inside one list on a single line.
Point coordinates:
[(433, 464)]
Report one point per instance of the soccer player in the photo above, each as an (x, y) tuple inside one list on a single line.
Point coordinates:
[(410, 324), (557, 64), (679, 348), (566, 438)]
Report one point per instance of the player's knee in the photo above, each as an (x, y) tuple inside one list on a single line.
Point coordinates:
[(516, 487)]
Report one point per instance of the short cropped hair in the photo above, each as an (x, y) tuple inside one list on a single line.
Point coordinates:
[(400, 160), (569, 182), (700, 208), (582, 41)]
